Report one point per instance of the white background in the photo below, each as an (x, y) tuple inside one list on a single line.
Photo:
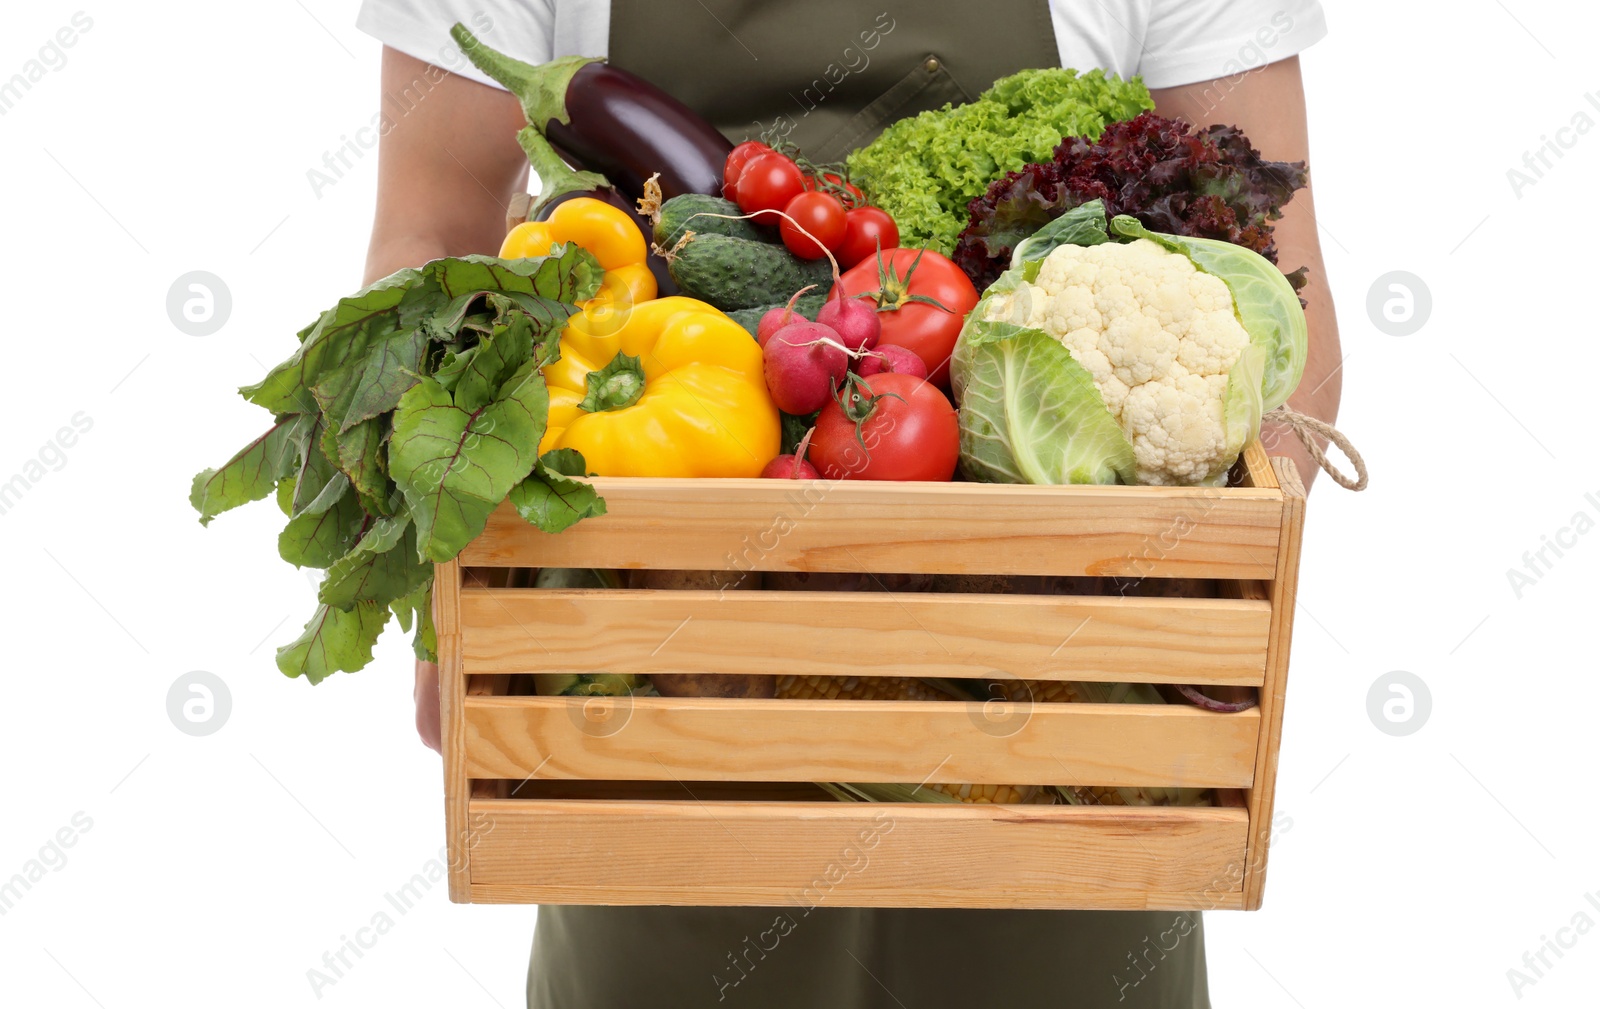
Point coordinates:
[(1418, 869)]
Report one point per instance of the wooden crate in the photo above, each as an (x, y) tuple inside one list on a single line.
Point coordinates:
[(660, 800)]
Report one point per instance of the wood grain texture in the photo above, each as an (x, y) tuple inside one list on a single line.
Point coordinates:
[(713, 896), (952, 528), (663, 738), (1111, 639), (573, 800), (1257, 467), (452, 724), (803, 855), (1284, 586)]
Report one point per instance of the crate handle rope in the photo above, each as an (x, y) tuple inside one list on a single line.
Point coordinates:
[(1307, 428)]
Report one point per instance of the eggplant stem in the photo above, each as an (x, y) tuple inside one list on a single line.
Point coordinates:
[(541, 89), (556, 177)]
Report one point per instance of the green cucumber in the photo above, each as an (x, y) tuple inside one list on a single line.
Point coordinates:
[(734, 273), (679, 213), (807, 306)]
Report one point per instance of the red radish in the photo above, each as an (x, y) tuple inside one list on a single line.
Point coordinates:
[(888, 357), (790, 467), (793, 467), (803, 362), (854, 319), (775, 319)]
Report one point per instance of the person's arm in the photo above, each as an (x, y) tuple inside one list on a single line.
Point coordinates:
[(446, 169), (446, 172), (1269, 105)]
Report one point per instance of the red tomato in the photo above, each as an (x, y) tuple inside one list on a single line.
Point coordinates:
[(897, 281), (865, 229), (817, 213), (811, 183), (737, 159), (908, 431), (768, 182)]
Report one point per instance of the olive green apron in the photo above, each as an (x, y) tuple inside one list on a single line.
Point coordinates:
[(829, 75)]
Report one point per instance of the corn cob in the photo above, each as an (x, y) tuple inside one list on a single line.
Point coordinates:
[(1071, 692), (1094, 795), (858, 688), (858, 792), (1013, 794)]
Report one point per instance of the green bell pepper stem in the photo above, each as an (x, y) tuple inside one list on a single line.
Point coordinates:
[(619, 384)]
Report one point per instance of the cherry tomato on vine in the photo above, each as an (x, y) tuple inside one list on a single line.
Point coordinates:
[(866, 229), (887, 427), (819, 214), (922, 299), (737, 159), (768, 182), (811, 183)]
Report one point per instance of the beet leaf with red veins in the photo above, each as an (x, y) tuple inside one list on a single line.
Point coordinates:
[(1207, 183)]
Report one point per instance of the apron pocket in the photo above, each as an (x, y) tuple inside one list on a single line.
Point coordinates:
[(929, 85)]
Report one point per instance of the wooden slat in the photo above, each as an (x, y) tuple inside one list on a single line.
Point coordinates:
[(1258, 467), (1284, 585), (658, 738), (1156, 640), (716, 896), (635, 848), (956, 528), (664, 791), (802, 855), (453, 737)]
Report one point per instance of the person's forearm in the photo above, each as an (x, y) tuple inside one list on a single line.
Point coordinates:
[(1268, 104), (386, 257), (447, 167), (1318, 392)]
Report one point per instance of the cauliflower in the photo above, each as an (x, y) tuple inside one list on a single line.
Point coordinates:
[(1158, 336)]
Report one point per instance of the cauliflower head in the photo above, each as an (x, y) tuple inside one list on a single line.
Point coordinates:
[(1157, 335)]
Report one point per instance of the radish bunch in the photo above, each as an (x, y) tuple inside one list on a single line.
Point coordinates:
[(806, 362)]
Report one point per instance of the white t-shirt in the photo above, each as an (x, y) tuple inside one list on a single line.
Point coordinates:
[(1169, 42)]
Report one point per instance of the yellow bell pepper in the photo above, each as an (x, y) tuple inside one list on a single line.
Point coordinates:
[(671, 388), (605, 231)]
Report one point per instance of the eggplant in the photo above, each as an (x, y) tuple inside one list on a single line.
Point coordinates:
[(559, 182), (610, 121)]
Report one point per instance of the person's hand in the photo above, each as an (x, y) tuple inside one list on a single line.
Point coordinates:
[(426, 695)]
